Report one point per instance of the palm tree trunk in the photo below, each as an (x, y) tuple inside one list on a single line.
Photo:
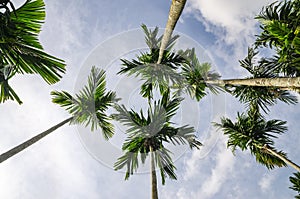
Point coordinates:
[(24, 145), (174, 14), (287, 161), (154, 194), (281, 82)]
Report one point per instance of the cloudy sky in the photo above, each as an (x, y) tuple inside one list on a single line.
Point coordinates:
[(75, 163)]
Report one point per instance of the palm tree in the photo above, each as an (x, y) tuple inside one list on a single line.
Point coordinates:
[(251, 131), (88, 107), (199, 76), (264, 74), (295, 180), (20, 50), (174, 14), (155, 76), (148, 134), (281, 31), (182, 72)]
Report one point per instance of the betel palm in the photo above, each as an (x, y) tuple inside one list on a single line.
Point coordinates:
[(20, 50), (251, 131), (263, 96), (281, 83), (199, 76), (195, 75), (88, 107), (280, 26), (148, 134), (155, 76)]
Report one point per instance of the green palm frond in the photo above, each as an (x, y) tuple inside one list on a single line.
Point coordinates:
[(263, 96), (19, 45), (281, 30), (148, 132), (252, 132), (158, 114), (6, 91), (179, 136), (90, 104), (285, 12), (195, 74), (295, 180), (165, 163), (130, 160), (267, 159), (154, 42), (151, 37), (154, 75)]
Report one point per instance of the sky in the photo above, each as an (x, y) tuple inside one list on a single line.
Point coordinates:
[(75, 163)]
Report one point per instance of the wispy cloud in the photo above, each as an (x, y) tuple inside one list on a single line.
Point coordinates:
[(231, 21), (266, 181), (223, 166)]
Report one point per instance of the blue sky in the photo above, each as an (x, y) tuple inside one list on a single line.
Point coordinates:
[(62, 166)]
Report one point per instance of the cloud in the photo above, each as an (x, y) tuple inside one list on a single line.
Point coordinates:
[(214, 163), (65, 26), (223, 167), (231, 21), (266, 181)]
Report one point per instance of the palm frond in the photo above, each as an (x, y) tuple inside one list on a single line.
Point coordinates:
[(280, 30), (165, 164), (267, 159), (295, 180), (6, 91), (20, 47), (195, 75), (147, 133), (263, 96), (130, 160), (160, 76), (252, 132), (151, 38), (90, 104)]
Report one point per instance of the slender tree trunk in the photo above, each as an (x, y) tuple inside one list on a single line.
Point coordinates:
[(154, 194), (281, 82), (174, 14), (24, 145), (287, 161)]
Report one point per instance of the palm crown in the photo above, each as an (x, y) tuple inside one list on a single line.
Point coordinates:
[(20, 49), (181, 71), (281, 30), (195, 74), (251, 131), (89, 106), (155, 75), (262, 96), (149, 133)]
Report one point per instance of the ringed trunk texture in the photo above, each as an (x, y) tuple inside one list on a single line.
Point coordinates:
[(24, 145), (281, 82), (287, 161), (154, 194), (174, 14)]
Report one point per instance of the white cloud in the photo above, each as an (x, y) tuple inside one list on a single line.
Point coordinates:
[(219, 174), (231, 21), (214, 162), (193, 165), (266, 181)]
